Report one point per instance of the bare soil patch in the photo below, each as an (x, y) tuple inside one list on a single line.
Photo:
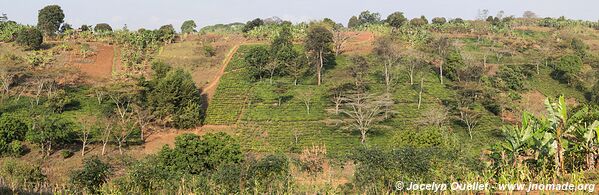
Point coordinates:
[(99, 65)]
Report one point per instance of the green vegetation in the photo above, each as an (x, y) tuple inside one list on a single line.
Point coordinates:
[(308, 108)]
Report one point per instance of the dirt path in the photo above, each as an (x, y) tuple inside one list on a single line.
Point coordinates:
[(101, 63), (211, 88)]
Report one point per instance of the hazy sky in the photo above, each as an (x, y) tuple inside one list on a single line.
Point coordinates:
[(154, 13)]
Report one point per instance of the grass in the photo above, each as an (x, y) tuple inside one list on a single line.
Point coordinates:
[(553, 88)]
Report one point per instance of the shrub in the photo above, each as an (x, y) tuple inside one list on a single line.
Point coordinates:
[(66, 154), (30, 38), (453, 64), (567, 68), (439, 20), (92, 176), (270, 174), (209, 50), (16, 148), (193, 154), (12, 128), (21, 174)]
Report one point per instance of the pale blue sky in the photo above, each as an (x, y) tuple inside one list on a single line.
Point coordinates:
[(154, 13)]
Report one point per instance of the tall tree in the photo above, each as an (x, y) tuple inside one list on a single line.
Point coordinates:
[(396, 19), (49, 19), (353, 22), (188, 27), (318, 44), (389, 53)]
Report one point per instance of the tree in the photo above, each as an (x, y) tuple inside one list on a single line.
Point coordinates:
[(418, 22), (359, 71), (257, 58), (175, 99), (188, 27), (389, 53), (353, 22), (49, 19), (85, 28), (366, 17), (362, 111), (454, 63), (439, 20), (297, 67), (396, 19), (340, 37), (529, 14), (441, 45), (94, 173), (470, 118), (167, 33), (31, 38), (87, 128), (306, 97), (252, 24), (102, 28), (49, 130), (318, 43)]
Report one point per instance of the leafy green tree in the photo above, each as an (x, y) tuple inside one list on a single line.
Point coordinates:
[(353, 22), (249, 26), (177, 98), (318, 44), (49, 19), (49, 130), (193, 154), (92, 176), (439, 20), (188, 27), (167, 33), (418, 22), (31, 38), (567, 68), (84, 28), (366, 17), (102, 28), (453, 64), (396, 19), (257, 58)]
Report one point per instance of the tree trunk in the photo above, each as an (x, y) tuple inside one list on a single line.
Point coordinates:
[(104, 147), (441, 73), (363, 136), (420, 94), (320, 67)]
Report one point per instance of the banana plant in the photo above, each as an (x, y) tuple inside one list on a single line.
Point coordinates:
[(561, 127), (517, 138)]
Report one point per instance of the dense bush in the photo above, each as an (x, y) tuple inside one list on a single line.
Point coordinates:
[(176, 97), (567, 68), (21, 174), (12, 131), (93, 174), (453, 65), (30, 38), (9, 30), (102, 28), (193, 154)]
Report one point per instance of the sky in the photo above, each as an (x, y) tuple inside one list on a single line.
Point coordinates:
[(152, 14)]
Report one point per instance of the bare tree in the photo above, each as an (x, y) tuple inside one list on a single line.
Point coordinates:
[(362, 111), (340, 37), (441, 46), (470, 118), (306, 97), (436, 116), (142, 119), (106, 133), (6, 79), (413, 66), (122, 133), (389, 53), (88, 123), (337, 96)]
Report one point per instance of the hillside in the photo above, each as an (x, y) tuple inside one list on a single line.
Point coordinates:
[(272, 107)]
